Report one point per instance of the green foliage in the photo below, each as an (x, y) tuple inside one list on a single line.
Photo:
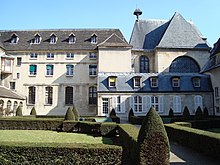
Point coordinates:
[(153, 140), (205, 113), (171, 112), (108, 129), (131, 113), (33, 112), (199, 113), (186, 113), (76, 113), (112, 113), (19, 111), (69, 114)]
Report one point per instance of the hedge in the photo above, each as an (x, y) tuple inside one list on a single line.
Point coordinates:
[(69, 154), (128, 135), (202, 141)]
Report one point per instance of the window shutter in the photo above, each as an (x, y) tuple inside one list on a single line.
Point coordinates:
[(146, 103), (131, 99), (123, 101), (114, 103), (161, 104)]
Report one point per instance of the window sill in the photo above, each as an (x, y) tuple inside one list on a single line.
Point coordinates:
[(32, 75), (92, 58), (92, 75), (48, 104), (32, 58), (48, 75), (49, 58), (69, 58), (69, 75)]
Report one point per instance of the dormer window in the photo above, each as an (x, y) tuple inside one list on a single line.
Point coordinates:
[(14, 39), (176, 82), (112, 81), (137, 82), (53, 39), (37, 39), (154, 82), (94, 39), (196, 82), (72, 39)]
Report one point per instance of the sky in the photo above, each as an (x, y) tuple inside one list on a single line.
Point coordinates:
[(74, 14)]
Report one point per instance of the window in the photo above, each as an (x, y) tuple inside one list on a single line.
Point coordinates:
[(70, 55), (72, 39), (69, 96), (33, 70), (19, 60), (118, 107), (112, 81), (49, 70), (37, 39), (69, 70), (176, 82), (154, 82), (14, 39), (105, 106), (49, 95), (53, 39), (50, 55), (33, 55), (94, 39), (31, 95), (177, 104), (196, 82), (12, 85), (137, 104), (198, 102), (18, 75), (15, 106), (21, 105), (155, 102), (184, 64), (216, 92), (144, 64), (137, 82), (92, 95), (92, 55), (92, 70), (9, 105)]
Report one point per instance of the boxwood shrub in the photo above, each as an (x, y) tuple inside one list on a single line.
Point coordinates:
[(108, 129)]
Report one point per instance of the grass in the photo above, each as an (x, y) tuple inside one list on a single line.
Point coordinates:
[(39, 137), (215, 130)]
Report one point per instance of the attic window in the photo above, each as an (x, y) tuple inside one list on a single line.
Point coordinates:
[(53, 39), (37, 39), (94, 39), (112, 81), (14, 39), (196, 82), (154, 82), (176, 82), (137, 82), (72, 39)]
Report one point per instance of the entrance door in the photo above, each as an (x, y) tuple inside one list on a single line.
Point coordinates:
[(105, 106)]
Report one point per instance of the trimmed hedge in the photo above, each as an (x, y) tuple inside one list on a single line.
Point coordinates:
[(69, 114), (33, 112), (19, 111), (202, 141), (69, 154), (108, 129)]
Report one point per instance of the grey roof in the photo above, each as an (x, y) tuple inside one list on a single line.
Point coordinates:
[(175, 33), (125, 82), (83, 39), (7, 93), (216, 48)]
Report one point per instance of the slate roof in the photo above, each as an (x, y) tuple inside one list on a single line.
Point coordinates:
[(7, 93), (175, 33), (83, 39), (125, 82)]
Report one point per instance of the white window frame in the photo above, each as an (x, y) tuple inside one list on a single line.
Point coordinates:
[(33, 56), (47, 94), (33, 73), (37, 39), (50, 72), (93, 39), (177, 104), (105, 106), (53, 39), (50, 56), (69, 72), (138, 104), (92, 56), (198, 102), (154, 82), (72, 39), (137, 82), (176, 82), (92, 70), (69, 55)]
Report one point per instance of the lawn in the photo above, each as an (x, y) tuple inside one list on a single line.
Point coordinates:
[(41, 136)]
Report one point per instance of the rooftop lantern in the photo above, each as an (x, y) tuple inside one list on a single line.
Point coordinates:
[(137, 12)]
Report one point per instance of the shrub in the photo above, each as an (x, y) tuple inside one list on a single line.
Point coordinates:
[(171, 112), (19, 111), (131, 113), (33, 112), (153, 140), (108, 129), (76, 113), (205, 113), (112, 113), (199, 113), (69, 114), (186, 113)]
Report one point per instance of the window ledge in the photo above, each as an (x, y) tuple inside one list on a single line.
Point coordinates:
[(92, 75), (48, 104), (32, 58), (69, 75), (69, 58), (48, 75), (32, 75), (49, 58)]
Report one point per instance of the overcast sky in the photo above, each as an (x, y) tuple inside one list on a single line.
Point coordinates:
[(59, 14)]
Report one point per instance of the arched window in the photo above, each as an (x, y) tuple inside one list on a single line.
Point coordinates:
[(15, 106), (21, 105), (184, 64), (92, 95), (198, 102), (31, 95), (9, 105), (69, 96), (144, 64)]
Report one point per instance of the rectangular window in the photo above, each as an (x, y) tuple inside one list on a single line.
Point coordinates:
[(12, 85), (69, 70), (112, 81), (49, 70), (105, 106), (118, 107), (92, 55), (137, 82), (177, 104), (33, 70), (92, 95), (19, 60), (92, 70), (31, 95), (33, 55), (49, 95), (196, 82), (137, 104), (50, 55), (154, 82), (216, 92), (70, 55), (155, 102), (69, 96), (176, 82), (18, 75)]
